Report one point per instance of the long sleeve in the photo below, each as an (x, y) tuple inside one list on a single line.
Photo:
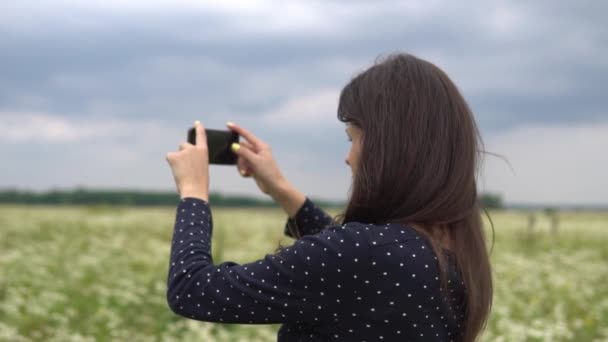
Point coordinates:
[(309, 219), (301, 283)]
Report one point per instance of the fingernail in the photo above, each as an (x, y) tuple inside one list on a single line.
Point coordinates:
[(197, 122), (242, 172), (229, 123), (235, 146)]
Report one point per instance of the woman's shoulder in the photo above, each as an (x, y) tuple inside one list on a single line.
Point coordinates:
[(376, 235), (385, 248)]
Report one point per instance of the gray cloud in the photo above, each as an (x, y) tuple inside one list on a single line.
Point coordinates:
[(518, 64), (534, 68)]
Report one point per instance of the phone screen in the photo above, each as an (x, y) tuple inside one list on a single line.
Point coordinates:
[(218, 144)]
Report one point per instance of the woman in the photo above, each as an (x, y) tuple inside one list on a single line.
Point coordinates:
[(406, 261)]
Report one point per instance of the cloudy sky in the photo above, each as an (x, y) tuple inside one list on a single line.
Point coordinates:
[(95, 93)]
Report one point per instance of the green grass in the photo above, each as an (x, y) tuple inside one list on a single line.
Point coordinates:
[(99, 274)]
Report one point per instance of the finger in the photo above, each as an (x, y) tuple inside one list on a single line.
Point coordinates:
[(201, 136), (252, 139), (243, 167), (170, 156), (184, 146), (244, 152), (244, 171), (246, 144), (243, 164)]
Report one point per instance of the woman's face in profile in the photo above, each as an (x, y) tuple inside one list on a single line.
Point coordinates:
[(354, 136)]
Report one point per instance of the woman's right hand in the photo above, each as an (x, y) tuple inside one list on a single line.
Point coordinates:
[(254, 159)]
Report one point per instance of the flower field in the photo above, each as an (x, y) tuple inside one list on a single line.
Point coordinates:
[(98, 273)]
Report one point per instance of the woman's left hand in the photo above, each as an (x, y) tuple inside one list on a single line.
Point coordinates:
[(190, 166)]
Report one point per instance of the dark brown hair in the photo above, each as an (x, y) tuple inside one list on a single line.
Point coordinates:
[(418, 165)]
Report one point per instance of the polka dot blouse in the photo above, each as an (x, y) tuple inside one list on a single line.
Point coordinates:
[(351, 282)]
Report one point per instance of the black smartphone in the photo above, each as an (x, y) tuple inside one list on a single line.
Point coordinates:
[(218, 144)]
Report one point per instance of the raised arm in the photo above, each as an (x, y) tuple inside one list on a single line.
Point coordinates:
[(255, 159), (304, 217), (302, 282), (309, 219)]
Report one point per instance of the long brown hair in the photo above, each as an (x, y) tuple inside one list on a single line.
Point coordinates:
[(418, 165)]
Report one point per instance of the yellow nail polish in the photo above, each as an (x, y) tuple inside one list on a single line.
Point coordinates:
[(196, 122), (235, 146), (229, 123)]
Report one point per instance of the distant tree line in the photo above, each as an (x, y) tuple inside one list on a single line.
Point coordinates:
[(81, 196), (491, 201)]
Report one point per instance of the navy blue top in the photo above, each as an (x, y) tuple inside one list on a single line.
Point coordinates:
[(350, 282)]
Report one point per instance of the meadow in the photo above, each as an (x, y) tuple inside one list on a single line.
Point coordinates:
[(98, 273)]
